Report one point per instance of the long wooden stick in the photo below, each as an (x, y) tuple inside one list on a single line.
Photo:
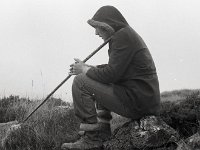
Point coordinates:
[(48, 96)]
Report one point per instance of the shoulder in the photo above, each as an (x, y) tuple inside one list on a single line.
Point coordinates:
[(122, 33), (127, 34), (121, 37), (130, 37)]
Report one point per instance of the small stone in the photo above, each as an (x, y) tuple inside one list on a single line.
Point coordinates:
[(194, 141)]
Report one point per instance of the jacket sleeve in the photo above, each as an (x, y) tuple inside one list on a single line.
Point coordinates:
[(120, 57), (101, 66)]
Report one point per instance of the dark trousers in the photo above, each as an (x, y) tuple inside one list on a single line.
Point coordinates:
[(87, 93)]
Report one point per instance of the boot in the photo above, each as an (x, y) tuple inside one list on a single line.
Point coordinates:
[(102, 112), (90, 140), (104, 116), (102, 129), (94, 139)]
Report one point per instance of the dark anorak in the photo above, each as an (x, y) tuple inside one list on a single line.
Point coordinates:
[(130, 69)]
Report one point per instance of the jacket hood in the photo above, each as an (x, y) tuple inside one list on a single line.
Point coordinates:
[(109, 18)]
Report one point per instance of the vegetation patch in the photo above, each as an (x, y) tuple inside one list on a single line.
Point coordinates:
[(55, 123)]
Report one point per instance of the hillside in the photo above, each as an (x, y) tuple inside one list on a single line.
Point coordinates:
[(55, 125)]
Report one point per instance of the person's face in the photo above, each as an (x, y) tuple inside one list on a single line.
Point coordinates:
[(102, 33)]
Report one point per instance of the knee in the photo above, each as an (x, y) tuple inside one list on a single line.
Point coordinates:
[(78, 78)]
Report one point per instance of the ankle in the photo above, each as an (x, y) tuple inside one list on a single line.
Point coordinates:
[(89, 126), (102, 120)]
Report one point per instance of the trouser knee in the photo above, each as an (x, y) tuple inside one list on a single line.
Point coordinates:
[(77, 84), (78, 79)]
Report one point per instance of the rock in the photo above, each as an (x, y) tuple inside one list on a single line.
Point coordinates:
[(148, 133), (23, 137), (183, 146), (4, 127), (193, 142), (62, 107)]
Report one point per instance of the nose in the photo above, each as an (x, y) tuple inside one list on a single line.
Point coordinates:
[(96, 32)]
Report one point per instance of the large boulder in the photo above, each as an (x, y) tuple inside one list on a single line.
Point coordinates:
[(148, 133)]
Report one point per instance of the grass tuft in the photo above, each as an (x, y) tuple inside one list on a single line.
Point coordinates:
[(55, 122)]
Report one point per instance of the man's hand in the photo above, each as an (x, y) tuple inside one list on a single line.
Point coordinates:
[(78, 67)]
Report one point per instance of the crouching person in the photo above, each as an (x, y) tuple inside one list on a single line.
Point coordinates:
[(127, 85)]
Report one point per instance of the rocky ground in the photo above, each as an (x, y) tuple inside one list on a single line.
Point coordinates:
[(177, 128)]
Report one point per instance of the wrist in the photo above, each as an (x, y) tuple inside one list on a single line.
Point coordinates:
[(85, 69)]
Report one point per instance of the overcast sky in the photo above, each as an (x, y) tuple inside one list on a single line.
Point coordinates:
[(40, 38)]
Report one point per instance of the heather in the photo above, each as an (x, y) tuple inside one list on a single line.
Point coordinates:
[(55, 122)]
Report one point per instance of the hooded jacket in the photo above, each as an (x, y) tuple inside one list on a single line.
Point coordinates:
[(130, 69)]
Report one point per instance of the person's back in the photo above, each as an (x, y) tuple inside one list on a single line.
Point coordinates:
[(140, 79)]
